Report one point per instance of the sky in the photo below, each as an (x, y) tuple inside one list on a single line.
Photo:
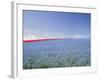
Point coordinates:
[(52, 24)]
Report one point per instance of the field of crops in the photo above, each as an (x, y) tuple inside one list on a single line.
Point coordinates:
[(56, 53)]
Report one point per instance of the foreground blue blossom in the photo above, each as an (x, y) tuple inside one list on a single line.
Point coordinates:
[(57, 53)]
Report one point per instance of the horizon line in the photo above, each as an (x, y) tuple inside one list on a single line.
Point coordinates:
[(45, 39)]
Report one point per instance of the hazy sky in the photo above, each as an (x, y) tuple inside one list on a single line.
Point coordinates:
[(46, 24)]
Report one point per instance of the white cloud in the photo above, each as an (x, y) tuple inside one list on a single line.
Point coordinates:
[(77, 36), (37, 36)]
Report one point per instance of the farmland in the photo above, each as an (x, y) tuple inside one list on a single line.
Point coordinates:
[(56, 53)]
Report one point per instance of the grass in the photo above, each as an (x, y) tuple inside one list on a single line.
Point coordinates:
[(50, 62)]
